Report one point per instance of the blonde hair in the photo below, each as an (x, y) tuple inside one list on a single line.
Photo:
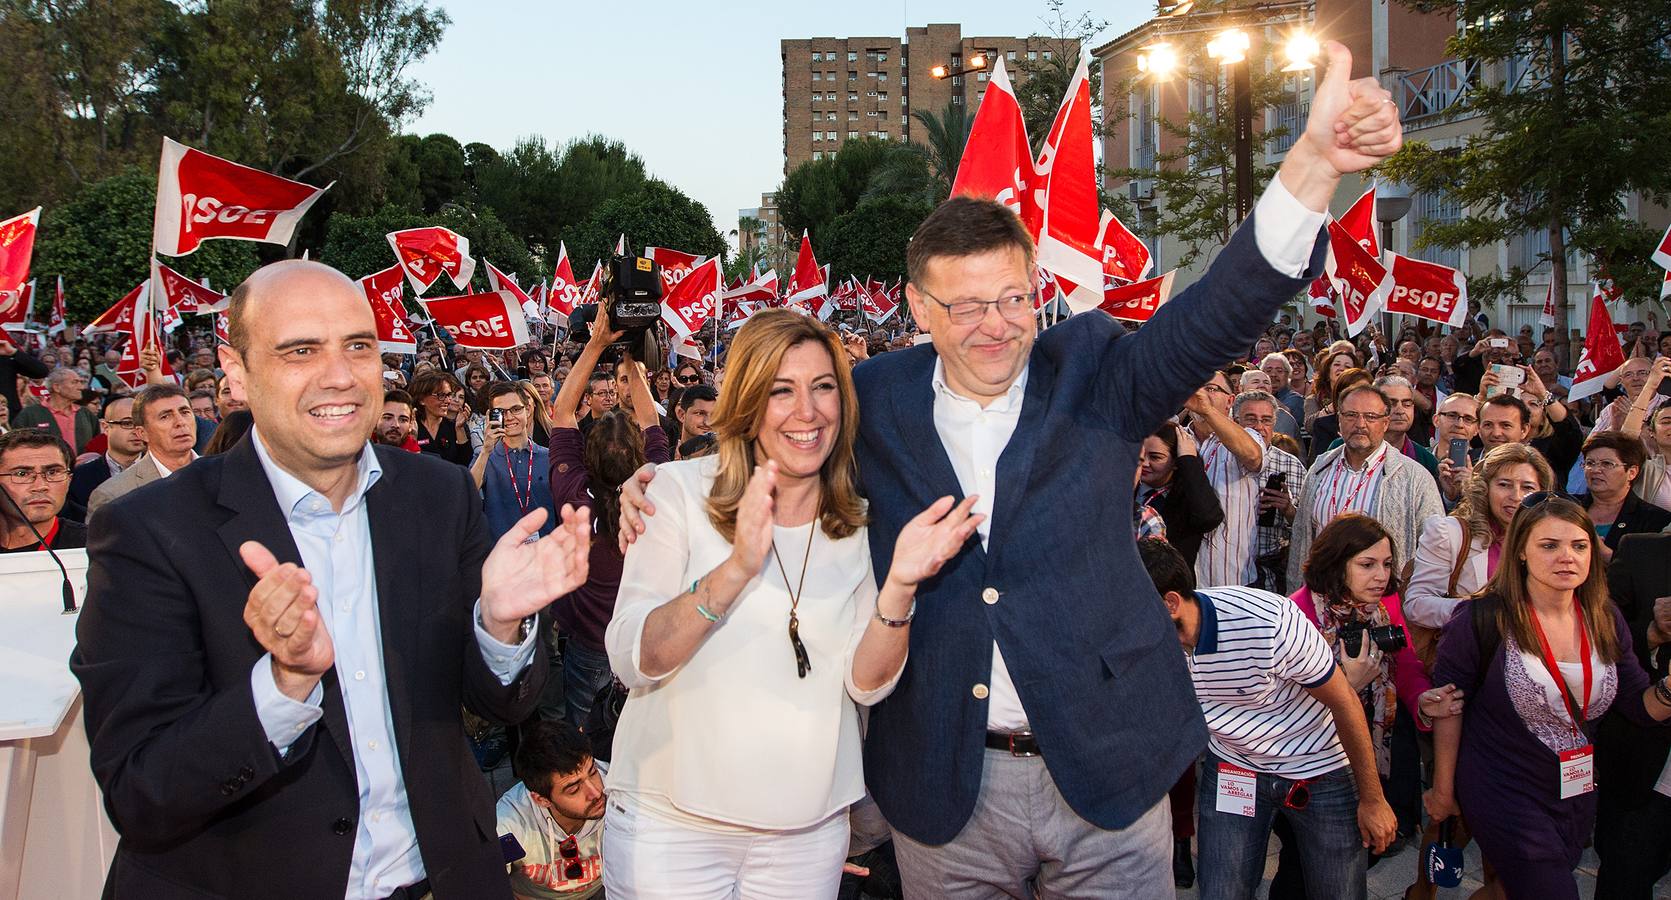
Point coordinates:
[(751, 366), (1475, 507)]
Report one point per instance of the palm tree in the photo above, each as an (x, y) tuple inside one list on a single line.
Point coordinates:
[(947, 134)]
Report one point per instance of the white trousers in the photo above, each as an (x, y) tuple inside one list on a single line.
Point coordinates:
[(647, 858)]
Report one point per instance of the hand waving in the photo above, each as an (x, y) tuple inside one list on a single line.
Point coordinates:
[(753, 537), (283, 613), (520, 577), (1353, 124), (928, 541)]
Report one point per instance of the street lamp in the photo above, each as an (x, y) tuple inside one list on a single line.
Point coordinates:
[(1230, 49), (938, 72), (1159, 60)]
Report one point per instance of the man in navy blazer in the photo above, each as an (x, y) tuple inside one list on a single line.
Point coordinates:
[(1045, 710)]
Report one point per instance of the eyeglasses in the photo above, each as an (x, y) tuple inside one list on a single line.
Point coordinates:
[(569, 849), (51, 474), (1602, 465), (1459, 417), (603, 393), (1539, 498), (516, 410), (689, 379), (121, 423), (967, 312), (445, 395), (1214, 389), (1364, 417), (1299, 795)]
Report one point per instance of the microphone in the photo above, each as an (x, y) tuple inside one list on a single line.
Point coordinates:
[(69, 592)]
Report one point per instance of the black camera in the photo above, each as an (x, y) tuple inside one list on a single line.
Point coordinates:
[(1390, 638), (632, 288)]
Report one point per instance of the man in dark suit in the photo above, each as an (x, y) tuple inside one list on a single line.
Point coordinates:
[(124, 443), (1042, 717), (277, 641), (1633, 815)]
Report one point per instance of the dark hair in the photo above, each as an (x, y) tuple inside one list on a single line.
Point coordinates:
[(1167, 567), (201, 394), (547, 751), (396, 395), (1346, 536), (596, 377), (1631, 451), (964, 226), (701, 445), (19, 438), (697, 392), (428, 382), (104, 408), (614, 450), (500, 389), (1505, 599), (154, 393), (229, 432), (1513, 402)]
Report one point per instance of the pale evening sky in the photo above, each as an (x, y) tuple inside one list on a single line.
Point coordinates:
[(693, 88)]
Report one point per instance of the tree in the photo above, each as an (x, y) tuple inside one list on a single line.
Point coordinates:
[(871, 239), (653, 215), (948, 134), (100, 243), (1042, 82), (441, 172), (818, 192), (1560, 145), (1195, 185), (356, 244), (594, 170)]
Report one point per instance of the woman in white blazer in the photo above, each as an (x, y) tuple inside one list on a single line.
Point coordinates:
[(1442, 576), (748, 627)]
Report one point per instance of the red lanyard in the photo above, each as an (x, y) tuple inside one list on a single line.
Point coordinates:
[(521, 503), (1362, 481), (1581, 711), (50, 536)]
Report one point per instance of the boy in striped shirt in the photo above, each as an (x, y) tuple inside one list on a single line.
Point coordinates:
[(1286, 734)]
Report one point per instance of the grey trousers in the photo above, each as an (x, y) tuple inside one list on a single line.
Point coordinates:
[(1024, 841)]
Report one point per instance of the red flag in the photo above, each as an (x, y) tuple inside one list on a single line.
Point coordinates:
[(118, 318), (877, 306), (761, 289), (997, 160), (689, 306), (1066, 193), (621, 245), (1137, 302), (17, 248), (564, 295), (486, 321), (427, 252), (1662, 253), (499, 281), (1602, 353), (176, 290), (674, 265), (1547, 317), (808, 280), (1665, 286), (1427, 291), (223, 328), (591, 294), (17, 306), (384, 291), (60, 318), (202, 197), (1322, 297), (1358, 278), (1124, 255), (1359, 222)]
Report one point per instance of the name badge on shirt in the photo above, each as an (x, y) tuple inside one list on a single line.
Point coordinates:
[(1235, 789), (1578, 771)]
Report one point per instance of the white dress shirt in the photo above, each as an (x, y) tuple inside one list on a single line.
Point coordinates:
[(336, 550), (1285, 231)]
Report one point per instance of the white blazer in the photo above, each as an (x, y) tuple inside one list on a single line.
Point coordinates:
[(735, 735), (1425, 602)]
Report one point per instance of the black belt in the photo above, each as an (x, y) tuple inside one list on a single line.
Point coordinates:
[(1016, 743), (411, 892)]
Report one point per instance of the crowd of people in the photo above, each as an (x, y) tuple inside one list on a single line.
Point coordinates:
[(543, 626)]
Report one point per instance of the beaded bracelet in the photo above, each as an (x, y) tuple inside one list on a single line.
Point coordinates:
[(701, 610)]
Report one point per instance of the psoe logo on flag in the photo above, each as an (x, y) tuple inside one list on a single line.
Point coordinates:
[(203, 210)]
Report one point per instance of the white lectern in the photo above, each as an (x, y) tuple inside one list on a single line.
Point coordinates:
[(55, 841)]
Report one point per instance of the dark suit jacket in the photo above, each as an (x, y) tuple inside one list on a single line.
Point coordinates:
[(204, 804), (1628, 756), (1085, 637), (1636, 516), (86, 478)]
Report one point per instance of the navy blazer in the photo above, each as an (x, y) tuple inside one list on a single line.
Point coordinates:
[(1086, 639)]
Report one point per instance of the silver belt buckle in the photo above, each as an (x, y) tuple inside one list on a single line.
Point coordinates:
[(1022, 734)]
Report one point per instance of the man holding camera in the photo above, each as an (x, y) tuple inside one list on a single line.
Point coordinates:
[(1297, 743)]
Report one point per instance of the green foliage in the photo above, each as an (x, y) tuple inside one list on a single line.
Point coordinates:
[(1560, 149), (818, 192), (871, 239), (1043, 82), (1195, 185), (652, 215), (942, 153), (441, 171), (100, 243), (357, 245)]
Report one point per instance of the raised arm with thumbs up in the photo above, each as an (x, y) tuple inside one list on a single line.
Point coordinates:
[(1353, 125)]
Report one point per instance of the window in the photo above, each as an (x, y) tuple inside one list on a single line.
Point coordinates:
[(957, 61), (957, 81), (882, 76), (902, 81), (882, 96), (1437, 208), (853, 115), (957, 99), (882, 135), (1047, 54), (1032, 54), (852, 56), (881, 57), (829, 135), (830, 117), (1010, 56), (817, 154), (852, 97), (852, 135), (981, 77), (816, 56), (870, 93), (816, 76), (852, 76), (904, 100), (817, 136)]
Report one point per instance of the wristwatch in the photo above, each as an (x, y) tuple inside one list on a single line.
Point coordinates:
[(898, 623)]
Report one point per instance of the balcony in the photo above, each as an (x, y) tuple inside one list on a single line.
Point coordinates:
[(1290, 116), (1424, 95)]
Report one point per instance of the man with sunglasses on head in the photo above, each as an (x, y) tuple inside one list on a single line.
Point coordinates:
[(35, 474), (554, 814)]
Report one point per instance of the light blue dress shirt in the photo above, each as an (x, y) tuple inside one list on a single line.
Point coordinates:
[(336, 550)]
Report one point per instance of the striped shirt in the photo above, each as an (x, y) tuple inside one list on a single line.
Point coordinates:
[(1340, 488), (1255, 657), (1227, 552), (1275, 537)]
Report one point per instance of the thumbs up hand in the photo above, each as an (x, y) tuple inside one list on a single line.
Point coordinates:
[(1353, 124)]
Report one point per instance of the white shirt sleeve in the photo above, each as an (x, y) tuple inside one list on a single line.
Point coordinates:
[(282, 718), (1285, 230), (503, 660), (864, 607), (652, 575), (1425, 602)]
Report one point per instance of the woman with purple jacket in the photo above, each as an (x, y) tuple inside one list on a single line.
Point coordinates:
[(1542, 654)]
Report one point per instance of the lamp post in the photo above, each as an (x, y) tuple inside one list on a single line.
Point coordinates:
[(1392, 202)]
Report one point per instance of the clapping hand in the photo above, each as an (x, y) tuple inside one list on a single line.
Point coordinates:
[(283, 613), (932, 538), (752, 539), (523, 574)]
